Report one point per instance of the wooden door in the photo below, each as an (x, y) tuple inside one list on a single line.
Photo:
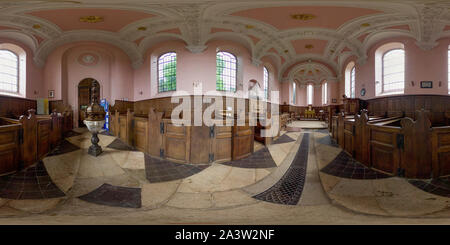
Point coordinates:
[(9, 148), (176, 142), (201, 144), (84, 98)]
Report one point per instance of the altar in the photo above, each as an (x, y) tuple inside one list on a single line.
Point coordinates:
[(310, 113)]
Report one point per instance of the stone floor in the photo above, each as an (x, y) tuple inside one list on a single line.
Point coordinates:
[(303, 178)]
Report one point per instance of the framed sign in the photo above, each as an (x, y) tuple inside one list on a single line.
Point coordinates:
[(426, 84), (51, 93)]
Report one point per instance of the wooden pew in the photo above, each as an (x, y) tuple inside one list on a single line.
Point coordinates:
[(9, 146), (440, 151)]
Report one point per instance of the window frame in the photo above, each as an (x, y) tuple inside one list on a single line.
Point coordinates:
[(158, 71), (325, 93), (308, 94), (383, 91), (17, 92), (294, 93), (266, 75), (235, 72), (353, 82)]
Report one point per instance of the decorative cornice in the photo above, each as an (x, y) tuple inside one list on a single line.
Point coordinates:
[(196, 48), (426, 23)]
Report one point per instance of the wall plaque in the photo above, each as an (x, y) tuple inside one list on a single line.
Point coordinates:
[(426, 84)]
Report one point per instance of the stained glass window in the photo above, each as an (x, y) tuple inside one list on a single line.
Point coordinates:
[(226, 69), (167, 72), (9, 71)]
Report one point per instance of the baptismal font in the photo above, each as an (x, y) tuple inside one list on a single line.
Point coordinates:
[(95, 119)]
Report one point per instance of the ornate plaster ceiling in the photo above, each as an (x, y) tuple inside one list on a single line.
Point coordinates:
[(324, 32)]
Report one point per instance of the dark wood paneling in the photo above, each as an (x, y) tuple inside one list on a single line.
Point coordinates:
[(141, 133), (408, 105), (9, 147), (29, 145), (223, 143), (417, 146), (43, 138), (200, 149), (14, 107), (154, 133)]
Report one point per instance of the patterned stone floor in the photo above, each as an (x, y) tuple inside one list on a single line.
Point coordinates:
[(117, 144), (345, 166), (359, 189), (117, 196), (283, 139), (115, 188), (259, 159), (63, 148), (159, 170), (440, 187), (308, 124), (289, 188), (31, 183)]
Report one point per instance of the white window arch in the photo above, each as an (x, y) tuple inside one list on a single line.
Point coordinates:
[(266, 83), (12, 70), (167, 72), (350, 80), (9, 71), (309, 94), (325, 93), (390, 69), (226, 71)]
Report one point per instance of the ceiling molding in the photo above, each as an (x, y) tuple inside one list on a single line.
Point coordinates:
[(129, 48)]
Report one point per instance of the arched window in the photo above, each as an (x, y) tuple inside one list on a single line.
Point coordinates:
[(390, 69), (350, 80), (226, 71), (310, 94), (294, 93), (324, 93), (9, 71), (266, 83), (167, 72), (393, 71)]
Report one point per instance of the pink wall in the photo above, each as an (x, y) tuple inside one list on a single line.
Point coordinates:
[(201, 67), (34, 75), (63, 72), (420, 65)]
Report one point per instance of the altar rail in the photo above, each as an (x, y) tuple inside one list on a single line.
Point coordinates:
[(395, 145)]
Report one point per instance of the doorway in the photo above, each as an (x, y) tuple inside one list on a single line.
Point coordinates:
[(84, 98)]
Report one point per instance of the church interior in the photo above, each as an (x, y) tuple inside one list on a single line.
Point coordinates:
[(357, 93)]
